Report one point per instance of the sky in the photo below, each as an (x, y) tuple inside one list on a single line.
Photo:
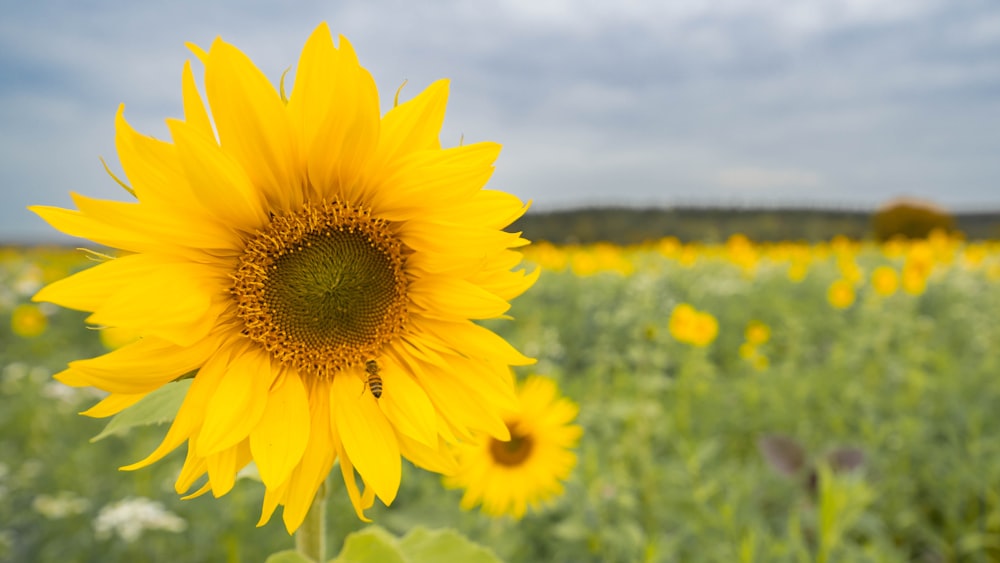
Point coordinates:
[(831, 103)]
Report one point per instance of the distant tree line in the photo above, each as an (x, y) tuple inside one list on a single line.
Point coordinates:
[(622, 225)]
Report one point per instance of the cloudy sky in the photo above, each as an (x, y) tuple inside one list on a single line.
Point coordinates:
[(634, 102)]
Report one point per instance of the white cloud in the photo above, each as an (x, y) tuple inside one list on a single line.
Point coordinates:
[(764, 180), (633, 101)]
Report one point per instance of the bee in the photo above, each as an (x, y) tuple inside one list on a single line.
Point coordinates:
[(374, 379)]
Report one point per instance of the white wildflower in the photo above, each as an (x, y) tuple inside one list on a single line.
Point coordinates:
[(64, 504), (128, 518)]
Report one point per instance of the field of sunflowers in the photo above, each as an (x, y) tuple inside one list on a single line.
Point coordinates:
[(738, 402)]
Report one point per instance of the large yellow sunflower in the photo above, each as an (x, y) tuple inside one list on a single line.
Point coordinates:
[(507, 476), (292, 253)]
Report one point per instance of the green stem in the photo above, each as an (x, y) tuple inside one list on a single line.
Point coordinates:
[(310, 539)]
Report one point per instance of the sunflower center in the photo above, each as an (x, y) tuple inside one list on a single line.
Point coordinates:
[(514, 452), (322, 289)]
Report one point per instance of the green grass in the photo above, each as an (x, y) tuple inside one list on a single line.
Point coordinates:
[(669, 468)]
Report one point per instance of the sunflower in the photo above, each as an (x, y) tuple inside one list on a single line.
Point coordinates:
[(840, 294), (507, 476), (287, 252)]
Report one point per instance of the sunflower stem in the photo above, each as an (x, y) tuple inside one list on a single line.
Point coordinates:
[(310, 538)]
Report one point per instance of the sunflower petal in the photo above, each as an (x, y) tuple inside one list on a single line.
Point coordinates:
[(406, 405), (414, 125), (138, 367), (190, 415), (452, 298), (368, 438), (346, 138), (252, 122), (220, 182), (113, 404), (194, 108), (279, 439), (317, 461), (358, 501), (238, 403)]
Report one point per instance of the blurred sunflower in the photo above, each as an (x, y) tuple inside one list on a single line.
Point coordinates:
[(689, 325), (508, 476), (28, 321), (757, 332), (885, 280), (840, 294), (277, 249)]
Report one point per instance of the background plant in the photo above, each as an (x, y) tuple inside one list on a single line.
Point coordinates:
[(670, 468)]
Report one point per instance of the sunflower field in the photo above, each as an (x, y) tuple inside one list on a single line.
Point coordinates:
[(738, 402)]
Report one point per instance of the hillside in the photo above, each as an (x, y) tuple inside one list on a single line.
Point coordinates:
[(634, 225)]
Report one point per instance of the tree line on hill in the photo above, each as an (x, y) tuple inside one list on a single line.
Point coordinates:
[(622, 225)]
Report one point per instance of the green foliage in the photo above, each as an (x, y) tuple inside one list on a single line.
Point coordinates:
[(288, 556), (376, 545), (620, 225), (911, 220), (670, 466), (158, 407)]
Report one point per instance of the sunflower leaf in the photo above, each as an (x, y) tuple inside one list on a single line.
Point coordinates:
[(371, 544), (156, 408), (424, 546), (287, 556)]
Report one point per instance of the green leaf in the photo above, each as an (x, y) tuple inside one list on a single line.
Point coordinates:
[(426, 546), (287, 556), (156, 408), (373, 544)]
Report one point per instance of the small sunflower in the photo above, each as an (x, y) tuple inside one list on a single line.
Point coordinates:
[(885, 280), (840, 294), (287, 250), (28, 321), (507, 476)]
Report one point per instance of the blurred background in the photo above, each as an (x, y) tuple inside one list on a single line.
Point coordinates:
[(838, 104), (768, 241)]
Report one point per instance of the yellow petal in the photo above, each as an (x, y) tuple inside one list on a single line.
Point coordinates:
[(434, 178), (279, 439), (77, 224), (406, 405), (252, 123), (88, 289), (491, 208), (193, 469), (239, 402), (272, 498), (113, 404), (183, 312), (346, 139), (472, 340), (357, 501), (167, 230), (222, 471), (450, 241), (438, 458), (462, 392), (368, 438), (192, 412), (311, 100), (449, 298), (194, 108), (204, 489), (219, 181), (414, 125), (506, 285), (316, 462), (138, 367)]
